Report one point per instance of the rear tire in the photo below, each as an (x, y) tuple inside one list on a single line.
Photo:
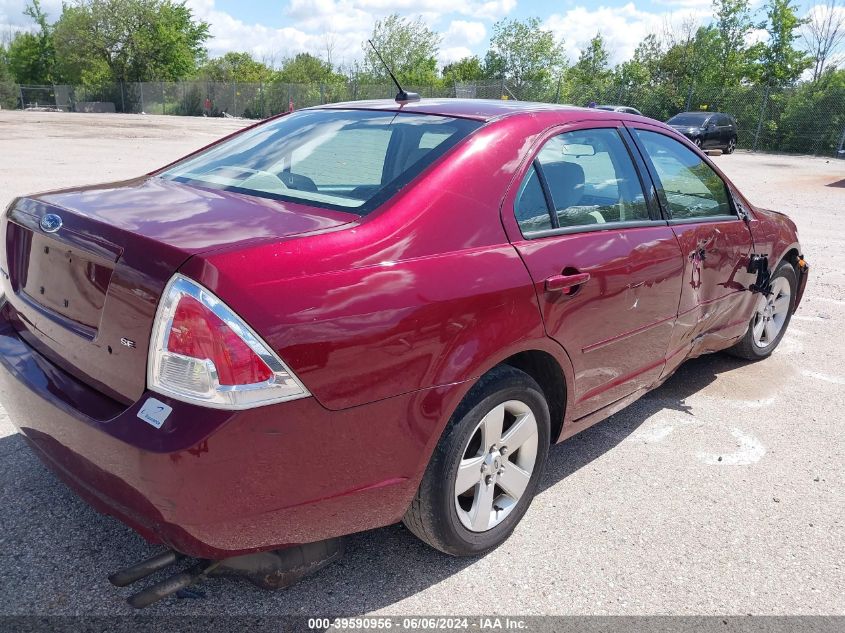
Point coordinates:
[(698, 142), (731, 146), (495, 446), (771, 317)]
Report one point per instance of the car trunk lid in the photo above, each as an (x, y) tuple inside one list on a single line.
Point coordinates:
[(83, 284)]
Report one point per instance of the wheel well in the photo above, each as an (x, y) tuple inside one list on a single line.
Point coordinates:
[(792, 257), (543, 368)]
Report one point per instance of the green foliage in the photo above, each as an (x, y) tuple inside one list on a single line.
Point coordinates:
[(8, 91), (695, 61), (781, 63), (524, 55), (733, 24), (305, 69), (32, 58), (409, 48), (642, 68), (591, 74), (235, 67), (466, 69), (801, 125), (128, 40)]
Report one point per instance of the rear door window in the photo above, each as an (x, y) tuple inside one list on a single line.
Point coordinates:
[(589, 180), (532, 212)]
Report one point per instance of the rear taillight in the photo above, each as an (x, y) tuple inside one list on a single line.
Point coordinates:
[(202, 352)]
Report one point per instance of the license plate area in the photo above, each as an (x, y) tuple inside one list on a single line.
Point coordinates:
[(65, 281)]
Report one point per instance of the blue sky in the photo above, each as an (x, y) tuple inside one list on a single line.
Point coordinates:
[(273, 30)]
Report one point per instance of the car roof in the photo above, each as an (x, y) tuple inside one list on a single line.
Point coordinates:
[(704, 113), (477, 109)]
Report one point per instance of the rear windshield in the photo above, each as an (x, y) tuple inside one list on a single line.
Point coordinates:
[(688, 119), (351, 160)]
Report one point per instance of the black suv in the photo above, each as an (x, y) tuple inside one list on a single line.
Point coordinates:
[(708, 130)]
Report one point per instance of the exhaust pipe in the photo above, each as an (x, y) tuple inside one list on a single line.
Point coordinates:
[(171, 585), (133, 573), (275, 569)]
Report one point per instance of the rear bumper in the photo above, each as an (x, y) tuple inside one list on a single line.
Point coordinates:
[(214, 483)]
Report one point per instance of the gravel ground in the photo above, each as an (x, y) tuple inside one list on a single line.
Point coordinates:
[(637, 514)]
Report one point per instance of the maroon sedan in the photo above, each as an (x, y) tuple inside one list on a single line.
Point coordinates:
[(373, 312)]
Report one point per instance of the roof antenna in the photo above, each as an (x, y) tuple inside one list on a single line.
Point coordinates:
[(401, 96)]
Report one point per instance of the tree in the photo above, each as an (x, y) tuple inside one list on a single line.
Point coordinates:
[(643, 67), (824, 33), (592, 70), (32, 58), (8, 93), (522, 53), (733, 24), (235, 67), (466, 69), (409, 48), (129, 40), (694, 60), (781, 62), (305, 69), (803, 130)]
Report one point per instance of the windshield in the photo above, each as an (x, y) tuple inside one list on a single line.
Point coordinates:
[(351, 160), (688, 119)]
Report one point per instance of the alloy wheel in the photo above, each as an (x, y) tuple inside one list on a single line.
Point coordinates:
[(771, 313), (496, 466), (731, 146)]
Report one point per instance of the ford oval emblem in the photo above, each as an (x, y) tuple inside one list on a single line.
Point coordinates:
[(51, 223)]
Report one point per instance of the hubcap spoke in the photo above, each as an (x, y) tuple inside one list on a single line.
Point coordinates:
[(758, 328), (771, 331), (491, 426), (482, 507), (514, 480), (781, 304), (522, 430), (469, 474)]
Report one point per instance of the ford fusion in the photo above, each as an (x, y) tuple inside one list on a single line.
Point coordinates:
[(372, 312)]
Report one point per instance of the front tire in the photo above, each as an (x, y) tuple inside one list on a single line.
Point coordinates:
[(486, 468), (771, 317)]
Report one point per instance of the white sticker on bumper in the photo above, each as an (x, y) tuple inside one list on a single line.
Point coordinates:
[(154, 412)]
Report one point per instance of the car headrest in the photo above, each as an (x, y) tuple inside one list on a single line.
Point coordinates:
[(566, 183)]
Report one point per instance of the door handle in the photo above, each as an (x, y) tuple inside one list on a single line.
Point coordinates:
[(567, 284)]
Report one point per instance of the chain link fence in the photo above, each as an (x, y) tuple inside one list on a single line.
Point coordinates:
[(807, 118)]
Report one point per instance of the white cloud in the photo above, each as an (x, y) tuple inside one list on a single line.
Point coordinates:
[(458, 38), (452, 54), (12, 19), (687, 4), (463, 32), (309, 34), (349, 23), (621, 27)]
